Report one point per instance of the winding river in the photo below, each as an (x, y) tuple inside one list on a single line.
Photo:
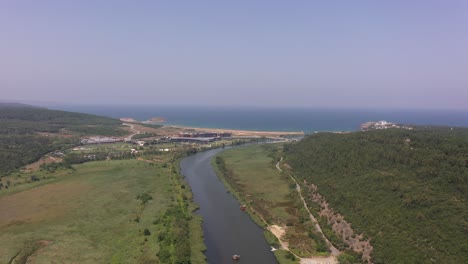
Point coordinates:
[(227, 229)]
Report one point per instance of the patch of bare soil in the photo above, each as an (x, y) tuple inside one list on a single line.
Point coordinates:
[(174, 130), (36, 165), (40, 246), (129, 120), (240, 133), (341, 227), (313, 260), (319, 260), (279, 233)]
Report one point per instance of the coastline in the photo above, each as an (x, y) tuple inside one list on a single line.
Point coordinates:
[(239, 133), (168, 129)]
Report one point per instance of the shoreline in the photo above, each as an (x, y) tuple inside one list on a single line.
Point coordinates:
[(174, 129), (238, 132)]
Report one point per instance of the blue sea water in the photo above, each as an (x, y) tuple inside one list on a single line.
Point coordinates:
[(274, 119)]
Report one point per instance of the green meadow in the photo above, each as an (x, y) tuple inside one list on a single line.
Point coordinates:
[(250, 173), (124, 211)]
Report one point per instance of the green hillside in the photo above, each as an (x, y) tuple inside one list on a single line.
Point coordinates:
[(406, 190), (27, 132)]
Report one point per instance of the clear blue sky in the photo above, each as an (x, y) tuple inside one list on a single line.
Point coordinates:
[(382, 54)]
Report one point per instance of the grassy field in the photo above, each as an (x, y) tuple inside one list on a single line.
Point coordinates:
[(92, 215), (255, 176), (270, 196)]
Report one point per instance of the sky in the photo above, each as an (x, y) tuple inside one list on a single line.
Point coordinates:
[(366, 54)]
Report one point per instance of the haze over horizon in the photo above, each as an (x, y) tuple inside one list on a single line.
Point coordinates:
[(396, 54)]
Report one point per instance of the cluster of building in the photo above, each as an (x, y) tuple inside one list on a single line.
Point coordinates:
[(382, 125), (100, 140), (201, 140), (200, 137), (205, 135), (140, 143), (183, 137)]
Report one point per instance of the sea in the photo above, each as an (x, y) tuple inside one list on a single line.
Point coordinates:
[(308, 120)]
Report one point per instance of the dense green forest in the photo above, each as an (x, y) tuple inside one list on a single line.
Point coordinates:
[(21, 125), (404, 189)]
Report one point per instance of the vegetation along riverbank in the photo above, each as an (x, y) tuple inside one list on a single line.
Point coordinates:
[(83, 188), (99, 203), (403, 191), (379, 196), (271, 200), (89, 189)]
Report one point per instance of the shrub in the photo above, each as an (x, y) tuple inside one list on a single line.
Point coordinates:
[(34, 178), (144, 197)]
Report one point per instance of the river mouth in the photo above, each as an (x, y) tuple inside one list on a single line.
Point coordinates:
[(228, 231)]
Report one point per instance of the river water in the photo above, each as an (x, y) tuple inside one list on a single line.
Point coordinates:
[(227, 229)]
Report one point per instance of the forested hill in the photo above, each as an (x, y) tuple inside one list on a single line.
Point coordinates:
[(27, 132), (404, 189), (21, 119)]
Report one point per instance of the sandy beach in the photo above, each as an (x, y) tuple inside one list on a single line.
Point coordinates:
[(240, 133), (170, 130)]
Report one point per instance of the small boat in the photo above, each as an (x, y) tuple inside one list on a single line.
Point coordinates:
[(235, 257), (243, 207)]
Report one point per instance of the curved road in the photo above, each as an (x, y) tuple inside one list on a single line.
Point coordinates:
[(132, 127)]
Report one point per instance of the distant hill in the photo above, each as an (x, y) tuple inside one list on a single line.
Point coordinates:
[(12, 104), (406, 190), (28, 132), (22, 119)]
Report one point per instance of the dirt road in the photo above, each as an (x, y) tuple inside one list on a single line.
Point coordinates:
[(132, 127), (334, 251)]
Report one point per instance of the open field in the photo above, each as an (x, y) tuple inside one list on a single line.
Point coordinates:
[(270, 198), (255, 176), (51, 166), (93, 215)]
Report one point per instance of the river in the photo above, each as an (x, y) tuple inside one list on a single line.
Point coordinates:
[(227, 229)]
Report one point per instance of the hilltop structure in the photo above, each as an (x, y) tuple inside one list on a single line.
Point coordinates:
[(382, 125)]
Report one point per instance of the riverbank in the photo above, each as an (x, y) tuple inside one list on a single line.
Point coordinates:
[(227, 230), (271, 200), (136, 210)]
